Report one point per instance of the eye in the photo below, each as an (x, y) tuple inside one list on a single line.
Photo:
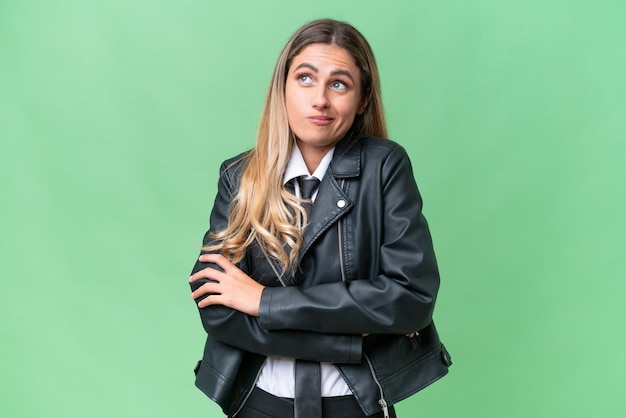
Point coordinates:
[(338, 85), (305, 79)]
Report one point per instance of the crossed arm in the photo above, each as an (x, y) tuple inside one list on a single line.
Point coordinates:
[(235, 309)]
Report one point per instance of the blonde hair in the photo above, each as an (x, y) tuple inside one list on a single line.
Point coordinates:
[(263, 209)]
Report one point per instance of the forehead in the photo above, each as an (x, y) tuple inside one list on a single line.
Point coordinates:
[(330, 57)]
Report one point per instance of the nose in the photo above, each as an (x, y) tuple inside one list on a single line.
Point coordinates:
[(320, 98)]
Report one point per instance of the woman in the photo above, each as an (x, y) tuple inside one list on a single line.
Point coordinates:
[(318, 302)]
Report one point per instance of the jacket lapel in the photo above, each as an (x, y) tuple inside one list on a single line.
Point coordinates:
[(332, 202)]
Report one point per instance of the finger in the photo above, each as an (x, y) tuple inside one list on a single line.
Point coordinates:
[(215, 299), (211, 258), (207, 273), (218, 259), (210, 288)]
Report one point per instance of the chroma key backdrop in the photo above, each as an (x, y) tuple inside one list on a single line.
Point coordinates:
[(115, 116)]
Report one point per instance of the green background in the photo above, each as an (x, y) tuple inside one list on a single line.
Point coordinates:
[(114, 117)]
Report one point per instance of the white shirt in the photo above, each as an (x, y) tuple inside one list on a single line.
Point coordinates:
[(296, 167), (277, 375)]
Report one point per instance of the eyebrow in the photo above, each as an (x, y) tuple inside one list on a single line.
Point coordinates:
[(333, 73)]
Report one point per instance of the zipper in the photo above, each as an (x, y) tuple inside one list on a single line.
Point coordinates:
[(341, 261), (245, 399), (382, 402), (342, 267)]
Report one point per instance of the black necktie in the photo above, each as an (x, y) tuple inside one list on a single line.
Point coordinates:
[(308, 387), (307, 186)]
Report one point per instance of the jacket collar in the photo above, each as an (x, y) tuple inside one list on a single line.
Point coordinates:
[(346, 162)]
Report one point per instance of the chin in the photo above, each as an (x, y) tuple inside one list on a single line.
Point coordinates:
[(317, 141), (318, 144)]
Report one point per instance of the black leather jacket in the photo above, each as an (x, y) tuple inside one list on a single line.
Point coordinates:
[(367, 267)]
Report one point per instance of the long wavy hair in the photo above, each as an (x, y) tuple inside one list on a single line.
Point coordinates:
[(263, 210)]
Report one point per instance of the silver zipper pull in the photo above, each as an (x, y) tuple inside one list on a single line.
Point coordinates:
[(383, 403)]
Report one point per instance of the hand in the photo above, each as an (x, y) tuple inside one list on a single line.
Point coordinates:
[(232, 288)]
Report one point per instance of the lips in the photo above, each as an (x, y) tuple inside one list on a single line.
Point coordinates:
[(320, 120)]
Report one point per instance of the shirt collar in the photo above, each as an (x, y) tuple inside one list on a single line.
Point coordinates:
[(296, 166)]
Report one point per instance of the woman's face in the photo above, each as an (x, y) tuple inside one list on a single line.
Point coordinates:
[(323, 96)]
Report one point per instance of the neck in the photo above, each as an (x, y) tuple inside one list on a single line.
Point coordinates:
[(313, 155)]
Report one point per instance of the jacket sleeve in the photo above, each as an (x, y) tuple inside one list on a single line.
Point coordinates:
[(244, 331), (399, 299)]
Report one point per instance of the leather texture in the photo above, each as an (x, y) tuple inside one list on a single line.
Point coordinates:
[(367, 267), (308, 400)]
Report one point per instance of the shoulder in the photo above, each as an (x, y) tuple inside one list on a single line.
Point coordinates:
[(377, 143), (367, 153), (381, 149), (232, 169), (234, 166), (374, 149), (385, 158)]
